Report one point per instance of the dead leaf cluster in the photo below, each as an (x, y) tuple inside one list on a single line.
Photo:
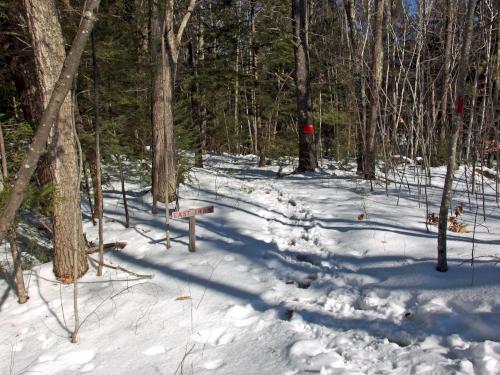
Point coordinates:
[(432, 218), (457, 226)]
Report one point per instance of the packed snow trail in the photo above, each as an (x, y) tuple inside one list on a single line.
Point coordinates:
[(286, 280)]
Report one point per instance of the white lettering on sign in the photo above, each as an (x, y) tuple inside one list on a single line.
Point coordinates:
[(192, 212)]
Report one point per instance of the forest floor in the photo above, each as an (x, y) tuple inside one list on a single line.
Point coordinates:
[(288, 278)]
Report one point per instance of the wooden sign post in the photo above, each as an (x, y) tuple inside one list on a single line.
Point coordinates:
[(191, 214)]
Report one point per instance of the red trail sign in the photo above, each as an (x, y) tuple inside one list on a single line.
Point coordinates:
[(191, 214)]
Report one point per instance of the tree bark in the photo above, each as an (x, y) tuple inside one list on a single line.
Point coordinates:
[(457, 122), (22, 295), (359, 86), (48, 47), (99, 197), (162, 112), (164, 166), (197, 107), (300, 25), (447, 66), (3, 155), (59, 90), (124, 192), (236, 112), (377, 62)]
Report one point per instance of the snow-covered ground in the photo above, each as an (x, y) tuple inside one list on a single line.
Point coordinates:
[(286, 280)]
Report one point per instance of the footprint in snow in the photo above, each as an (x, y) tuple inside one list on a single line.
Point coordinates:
[(154, 350), (213, 364), (18, 347), (212, 336), (229, 258), (242, 316), (46, 358), (242, 268), (143, 248), (88, 367), (309, 348), (46, 342), (77, 357), (70, 361)]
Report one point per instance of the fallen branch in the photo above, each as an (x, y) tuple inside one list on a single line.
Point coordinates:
[(40, 221), (119, 268), (107, 246), (487, 174)]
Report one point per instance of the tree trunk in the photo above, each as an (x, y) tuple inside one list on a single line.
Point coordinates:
[(164, 167), (124, 192), (197, 107), (21, 66), (447, 67), (377, 62), (3, 155), (236, 112), (141, 12), (48, 47), (22, 295), (162, 110), (260, 136), (99, 198), (457, 122), (87, 191), (300, 24), (37, 147), (359, 86)]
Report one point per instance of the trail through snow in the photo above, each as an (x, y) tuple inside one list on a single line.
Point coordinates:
[(286, 280)]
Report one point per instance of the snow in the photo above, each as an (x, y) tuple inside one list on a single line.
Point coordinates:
[(285, 280)]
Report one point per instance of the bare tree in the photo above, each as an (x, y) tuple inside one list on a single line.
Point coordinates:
[(457, 123)]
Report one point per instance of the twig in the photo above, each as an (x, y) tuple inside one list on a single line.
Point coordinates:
[(110, 298), (181, 363), (119, 268), (111, 245)]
